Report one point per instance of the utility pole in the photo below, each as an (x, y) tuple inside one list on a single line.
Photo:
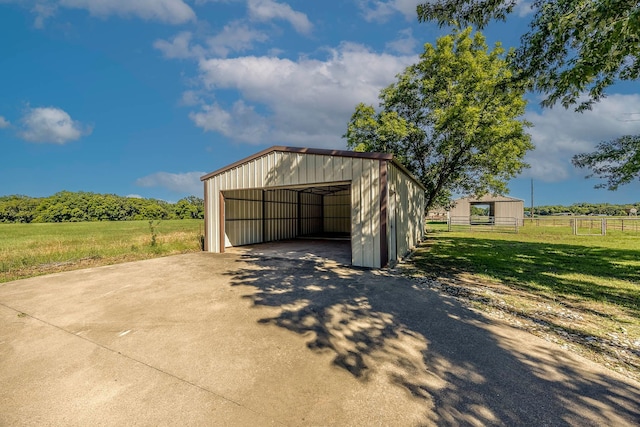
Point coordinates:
[(531, 212)]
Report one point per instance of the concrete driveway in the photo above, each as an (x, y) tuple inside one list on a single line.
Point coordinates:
[(233, 339)]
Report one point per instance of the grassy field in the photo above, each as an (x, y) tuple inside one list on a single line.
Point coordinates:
[(580, 291), (33, 249)]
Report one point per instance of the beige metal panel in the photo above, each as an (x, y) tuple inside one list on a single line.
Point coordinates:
[(250, 181), (462, 208), (310, 213), (319, 175), (306, 169), (347, 171), (337, 212), (286, 167), (327, 168), (406, 213), (366, 218), (510, 209), (281, 214), (243, 223), (209, 214), (356, 213), (214, 215), (375, 209), (278, 169), (365, 205)]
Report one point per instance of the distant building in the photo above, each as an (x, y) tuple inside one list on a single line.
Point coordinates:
[(500, 208), (437, 212)]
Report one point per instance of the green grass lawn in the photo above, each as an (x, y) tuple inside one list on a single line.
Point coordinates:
[(586, 286), (33, 249)]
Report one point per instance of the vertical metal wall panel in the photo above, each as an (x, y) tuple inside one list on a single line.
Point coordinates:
[(510, 209), (337, 212), (281, 214), (310, 213), (375, 213), (367, 215), (462, 208), (407, 228), (243, 217), (356, 213)]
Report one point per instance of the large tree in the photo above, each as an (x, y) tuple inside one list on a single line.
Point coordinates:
[(454, 119), (573, 47), (573, 51), (618, 161)]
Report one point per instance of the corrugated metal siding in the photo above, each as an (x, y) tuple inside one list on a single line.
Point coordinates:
[(242, 217), (510, 209), (462, 208), (310, 214), (365, 213), (337, 212), (408, 216), (254, 216), (281, 213)]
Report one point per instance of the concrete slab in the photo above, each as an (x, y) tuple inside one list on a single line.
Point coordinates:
[(230, 339)]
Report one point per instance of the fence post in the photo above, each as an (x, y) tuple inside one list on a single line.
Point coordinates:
[(604, 226)]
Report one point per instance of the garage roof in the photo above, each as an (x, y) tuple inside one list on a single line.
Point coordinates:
[(318, 151)]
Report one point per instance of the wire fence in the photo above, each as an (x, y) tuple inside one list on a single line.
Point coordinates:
[(589, 225), (484, 223), (572, 224)]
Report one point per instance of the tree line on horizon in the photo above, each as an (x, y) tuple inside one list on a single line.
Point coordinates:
[(574, 209), (67, 206), (585, 209)]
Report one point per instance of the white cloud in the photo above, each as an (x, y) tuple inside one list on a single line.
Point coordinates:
[(234, 37), (405, 44), (188, 182), (169, 11), (308, 101), (50, 124), (4, 123), (241, 123), (190, 98), (523, 8), (382, 10), (559, 134), (179, 47), (43, 11), (266, 10), (134, 196)]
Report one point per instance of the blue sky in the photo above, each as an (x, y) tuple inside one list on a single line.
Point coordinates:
[(142, 97)]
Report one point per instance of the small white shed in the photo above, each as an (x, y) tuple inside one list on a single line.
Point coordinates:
[(285, 192)]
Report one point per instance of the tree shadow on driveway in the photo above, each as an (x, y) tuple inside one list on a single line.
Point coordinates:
[(467, 369)]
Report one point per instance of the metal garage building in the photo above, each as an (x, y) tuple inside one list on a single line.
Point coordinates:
[(285, 192)]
